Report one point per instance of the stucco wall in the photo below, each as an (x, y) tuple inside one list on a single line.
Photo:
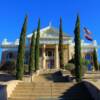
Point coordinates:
[(66, 56), (68, 53)]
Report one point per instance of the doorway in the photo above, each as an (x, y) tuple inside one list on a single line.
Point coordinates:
[(50, 59), (50, 63)]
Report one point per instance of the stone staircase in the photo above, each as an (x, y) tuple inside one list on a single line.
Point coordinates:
[(39, 91), (44, 88)]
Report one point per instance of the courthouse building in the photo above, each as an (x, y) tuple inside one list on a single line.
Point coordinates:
[(49, 54)]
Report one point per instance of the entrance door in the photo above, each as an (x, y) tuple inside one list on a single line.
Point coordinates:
[(50, 58), (50, 63)]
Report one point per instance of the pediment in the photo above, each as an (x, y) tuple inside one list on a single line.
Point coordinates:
[(48, 32)]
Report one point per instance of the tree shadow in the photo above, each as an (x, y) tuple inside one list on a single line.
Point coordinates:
[(58, 77), (81, 92)]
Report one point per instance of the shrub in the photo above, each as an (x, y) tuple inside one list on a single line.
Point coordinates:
[(26, 68), (71, 61), (85, 62), (71, 68), (9, 66), (83, 71)]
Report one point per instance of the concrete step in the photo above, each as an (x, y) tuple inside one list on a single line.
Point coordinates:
[(47, 94), (44, 84), (40, 98), (42, 89), (38, 95), (30, 91)]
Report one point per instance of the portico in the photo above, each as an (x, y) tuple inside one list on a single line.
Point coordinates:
[(50, 56)]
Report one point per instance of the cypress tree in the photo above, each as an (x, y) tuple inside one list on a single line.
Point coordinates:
[(95, 60), (31, 59), (21, 52), (61, 58), (37, 51), (77, 51)]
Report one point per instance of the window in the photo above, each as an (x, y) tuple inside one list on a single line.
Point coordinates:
[(9, 56), (49, 53), (88, 57)]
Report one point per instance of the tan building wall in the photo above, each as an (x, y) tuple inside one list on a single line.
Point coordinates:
[(68, 55)]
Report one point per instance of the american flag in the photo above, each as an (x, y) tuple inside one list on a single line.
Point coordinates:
[(88, 37), (87, 31), (87, 34)]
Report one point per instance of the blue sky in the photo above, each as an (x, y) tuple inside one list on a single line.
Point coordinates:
[(12, 13)]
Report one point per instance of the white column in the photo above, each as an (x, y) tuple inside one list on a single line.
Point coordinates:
[(56, 57), (44, 57)]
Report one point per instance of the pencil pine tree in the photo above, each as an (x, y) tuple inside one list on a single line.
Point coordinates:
[(61, 56), (37, 44), (77, 51), (95, 60), (32, 51), (21, 52)]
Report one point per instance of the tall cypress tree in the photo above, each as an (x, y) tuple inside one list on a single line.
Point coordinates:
[(77, 51), (37, 44), (95, 60), (21, 52), (31, 59), (61, 56)]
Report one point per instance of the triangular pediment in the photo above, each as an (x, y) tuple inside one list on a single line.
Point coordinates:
[(48, 32)]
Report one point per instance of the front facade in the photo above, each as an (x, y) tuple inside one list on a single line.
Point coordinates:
[(49, 55)]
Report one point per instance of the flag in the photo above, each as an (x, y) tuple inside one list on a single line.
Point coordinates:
[(87, 31), (87, 34), (88, 37)]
